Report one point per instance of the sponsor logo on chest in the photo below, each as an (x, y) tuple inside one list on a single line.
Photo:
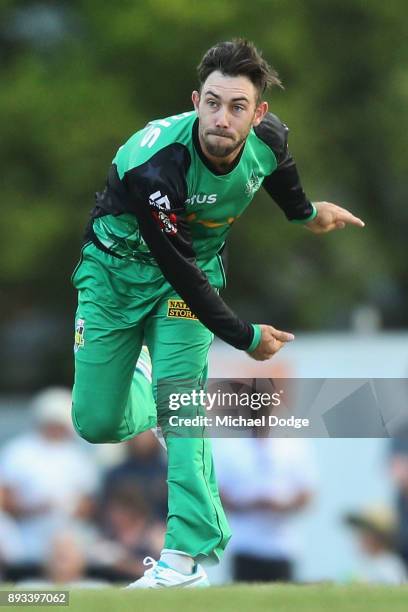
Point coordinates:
[(202, 198)]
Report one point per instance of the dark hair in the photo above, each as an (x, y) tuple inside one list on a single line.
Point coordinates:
[(239, 57)]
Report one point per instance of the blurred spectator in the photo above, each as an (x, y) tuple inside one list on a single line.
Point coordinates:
[(11, 545), (376, 534), (145, 468), (399, 473), (65, 565), (131, 530), (264, 482), (46, 476)]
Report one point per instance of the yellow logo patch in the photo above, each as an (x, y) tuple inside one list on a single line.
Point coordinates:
[(79, 334), (179, 310)]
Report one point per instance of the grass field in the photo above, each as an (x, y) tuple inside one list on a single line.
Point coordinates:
[(242, 598)]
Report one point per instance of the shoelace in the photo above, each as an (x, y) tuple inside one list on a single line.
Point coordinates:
[(149, 561), (155, 572)]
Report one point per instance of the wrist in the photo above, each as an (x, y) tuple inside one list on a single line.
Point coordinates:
[(310, 217), (256, 337)]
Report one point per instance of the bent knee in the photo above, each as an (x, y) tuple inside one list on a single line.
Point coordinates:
[(97, 435), (96, 430)]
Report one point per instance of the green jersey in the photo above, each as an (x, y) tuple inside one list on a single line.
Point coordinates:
[(165, 205)]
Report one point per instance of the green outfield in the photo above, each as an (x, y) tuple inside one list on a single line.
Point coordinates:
[(237, 598)]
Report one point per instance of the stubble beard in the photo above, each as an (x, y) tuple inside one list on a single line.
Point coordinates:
[(222, 150)]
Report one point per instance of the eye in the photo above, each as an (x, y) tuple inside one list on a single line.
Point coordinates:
[(237, 108), (212, 103)]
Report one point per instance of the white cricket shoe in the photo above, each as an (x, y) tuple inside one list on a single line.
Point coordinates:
[(160, 576)]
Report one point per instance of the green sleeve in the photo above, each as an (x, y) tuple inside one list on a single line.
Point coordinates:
[(309, 218), (256, 339)]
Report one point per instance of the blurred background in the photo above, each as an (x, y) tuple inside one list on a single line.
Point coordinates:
[(76, 81)]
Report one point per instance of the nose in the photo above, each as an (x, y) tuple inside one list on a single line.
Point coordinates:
[(222, 118)]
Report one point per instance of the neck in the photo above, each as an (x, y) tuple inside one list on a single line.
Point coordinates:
[(222, 164)]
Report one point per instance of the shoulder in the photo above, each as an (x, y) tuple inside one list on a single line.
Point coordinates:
[(274, 133), (166, 140)]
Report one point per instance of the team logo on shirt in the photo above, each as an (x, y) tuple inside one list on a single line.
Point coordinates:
[(253, 184), (177, 309), (166, 220), (157, 200), (79, 334)]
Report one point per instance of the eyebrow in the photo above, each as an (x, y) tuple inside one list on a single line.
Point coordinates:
[(214, 95)]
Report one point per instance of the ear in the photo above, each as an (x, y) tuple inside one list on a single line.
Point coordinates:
[(195, 96), (260, 113)]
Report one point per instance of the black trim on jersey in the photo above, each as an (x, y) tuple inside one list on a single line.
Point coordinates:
[(284, 184), (207, 163), (171, 244), (91, 236), (156, 192), (114, 199), (274, 133)]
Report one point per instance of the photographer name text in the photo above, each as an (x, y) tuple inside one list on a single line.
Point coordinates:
[(238, 421)]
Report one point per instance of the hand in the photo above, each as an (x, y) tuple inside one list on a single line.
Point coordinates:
[(330, 217), (272, 340)]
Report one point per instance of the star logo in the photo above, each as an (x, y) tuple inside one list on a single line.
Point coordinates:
[(253, 184)]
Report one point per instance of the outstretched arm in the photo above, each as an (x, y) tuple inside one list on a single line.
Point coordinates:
[(285, 187)]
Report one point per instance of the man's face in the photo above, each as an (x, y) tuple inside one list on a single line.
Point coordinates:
[(227, 108)]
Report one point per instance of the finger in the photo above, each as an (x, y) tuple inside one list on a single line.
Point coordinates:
[(356, 221), (261, 356), (273, 348), (346, 217), (282, 336), (277, 345)]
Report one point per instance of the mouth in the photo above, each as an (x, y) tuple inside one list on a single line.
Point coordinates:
[(220, 135)]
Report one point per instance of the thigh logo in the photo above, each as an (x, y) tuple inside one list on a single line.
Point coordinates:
[(177, 309), (79, 334)]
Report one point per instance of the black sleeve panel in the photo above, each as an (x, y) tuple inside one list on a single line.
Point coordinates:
[(157, 191), (284, 184)]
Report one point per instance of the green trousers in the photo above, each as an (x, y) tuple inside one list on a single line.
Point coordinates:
[(121, 305)]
